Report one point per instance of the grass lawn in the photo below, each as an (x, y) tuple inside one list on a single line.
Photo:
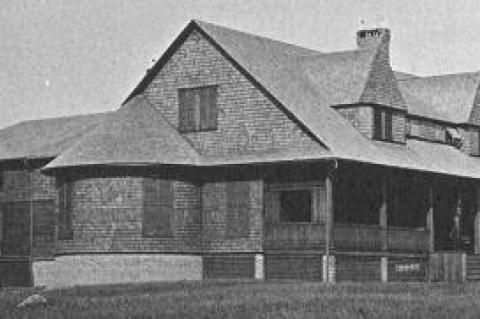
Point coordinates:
[(251, 300)]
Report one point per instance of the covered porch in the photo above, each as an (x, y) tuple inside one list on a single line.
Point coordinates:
[(384, 222)]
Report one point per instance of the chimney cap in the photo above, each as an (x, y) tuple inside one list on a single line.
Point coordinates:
[(374, 36)]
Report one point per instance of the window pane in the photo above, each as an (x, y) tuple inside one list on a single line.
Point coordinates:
[(296, 206)]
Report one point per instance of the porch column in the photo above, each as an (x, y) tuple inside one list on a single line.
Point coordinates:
[(327, 264), (477, 223), (383, 227), (383, 215), (429, 222)]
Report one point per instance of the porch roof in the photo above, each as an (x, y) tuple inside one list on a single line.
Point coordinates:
[(426, 156), (45, 138), (136, 134)]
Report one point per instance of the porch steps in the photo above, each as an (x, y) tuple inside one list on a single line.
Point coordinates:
[(473, 267)]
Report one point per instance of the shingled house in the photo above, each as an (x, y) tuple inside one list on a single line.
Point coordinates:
[(238, 156)]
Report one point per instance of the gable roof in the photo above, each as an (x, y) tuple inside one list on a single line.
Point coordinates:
[(302, 82), (445, 97), (136, 134), (45, 138), (295, 78)]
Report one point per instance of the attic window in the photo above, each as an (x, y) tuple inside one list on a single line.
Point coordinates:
[(197, 109), (382, 124)]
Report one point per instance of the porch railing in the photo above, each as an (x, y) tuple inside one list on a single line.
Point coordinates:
[(407, 240), (346, 237), (372, 238), (294, 236), (353, 237)]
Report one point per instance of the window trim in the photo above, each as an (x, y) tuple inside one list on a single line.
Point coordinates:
[(197, 111), (313, 187)]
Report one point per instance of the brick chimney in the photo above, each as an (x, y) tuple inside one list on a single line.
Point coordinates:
[(373, 37)]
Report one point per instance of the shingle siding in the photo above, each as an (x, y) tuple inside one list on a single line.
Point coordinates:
[(382, 87), (214, 215), (107, 217), (248, 121), (18, 187), (475, 113)]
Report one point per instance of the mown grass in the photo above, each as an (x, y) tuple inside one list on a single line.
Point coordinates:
[(251, 300)]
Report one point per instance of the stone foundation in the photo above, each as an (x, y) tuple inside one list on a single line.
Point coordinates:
[(94, 269)]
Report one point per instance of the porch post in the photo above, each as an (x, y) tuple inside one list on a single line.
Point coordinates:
[(327, 263), (477, 223), (383, 227), (429, 223), (383, 215)]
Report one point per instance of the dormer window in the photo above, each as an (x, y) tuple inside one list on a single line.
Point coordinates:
[(382, 124), (197, 109)]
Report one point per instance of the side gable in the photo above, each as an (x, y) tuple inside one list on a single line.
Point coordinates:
[(249, 121)]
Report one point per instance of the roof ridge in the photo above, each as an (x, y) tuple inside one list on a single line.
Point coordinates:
[(199, 23)]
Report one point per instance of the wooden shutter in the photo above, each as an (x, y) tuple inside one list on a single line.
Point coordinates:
[(157, 208), (377, 124), (208, 108), (204, 108), (43, 228), (238, 209), (186, 112), (16, 229), (182, 111), (212, 108), (65, 229), (388, 125)]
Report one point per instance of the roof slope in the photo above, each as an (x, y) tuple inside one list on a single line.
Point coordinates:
[(308, 94), (444, 97), (135, 134), (47, 137)]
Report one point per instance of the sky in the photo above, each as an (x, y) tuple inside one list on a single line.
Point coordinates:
[(60, 58)]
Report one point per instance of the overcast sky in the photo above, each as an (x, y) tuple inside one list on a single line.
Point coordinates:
[(71, 57)]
